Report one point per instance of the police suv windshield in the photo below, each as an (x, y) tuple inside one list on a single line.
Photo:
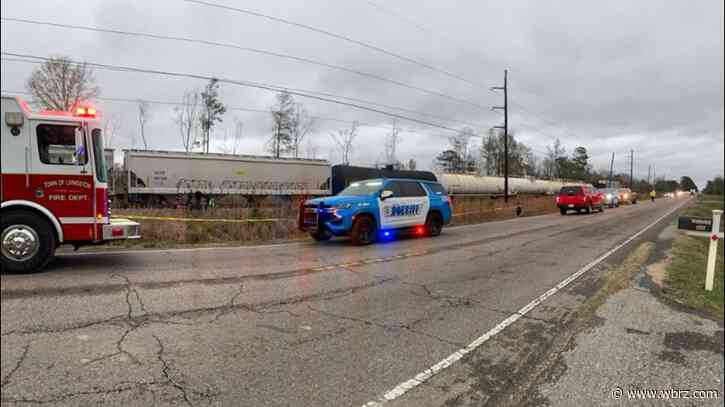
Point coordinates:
[(361, 188)]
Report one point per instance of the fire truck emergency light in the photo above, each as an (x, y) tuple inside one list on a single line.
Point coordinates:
[(83, 111)]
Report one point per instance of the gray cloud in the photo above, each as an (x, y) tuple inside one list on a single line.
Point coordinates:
[(611, 76)]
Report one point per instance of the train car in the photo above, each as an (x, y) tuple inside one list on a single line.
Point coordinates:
[(344, 175), (151, 173), (471, 184)]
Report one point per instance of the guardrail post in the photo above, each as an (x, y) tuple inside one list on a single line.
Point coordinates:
[(712, 254)]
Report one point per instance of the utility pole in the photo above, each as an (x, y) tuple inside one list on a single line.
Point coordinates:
[(649, 174), (631, 169), (611, 170), (505, 128)]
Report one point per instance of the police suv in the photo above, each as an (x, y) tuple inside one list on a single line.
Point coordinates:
[(379, 208)]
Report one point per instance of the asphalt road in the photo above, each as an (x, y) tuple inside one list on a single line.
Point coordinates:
[(293, 324)]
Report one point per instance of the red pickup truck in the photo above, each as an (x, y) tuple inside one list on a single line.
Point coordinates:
[(579, 198)]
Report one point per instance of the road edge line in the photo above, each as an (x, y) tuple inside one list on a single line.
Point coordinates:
[(423, 376), (178, 249)]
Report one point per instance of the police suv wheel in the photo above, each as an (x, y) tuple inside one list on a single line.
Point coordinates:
[(363, 231), (434, 224), (321, 237), (27, 242)]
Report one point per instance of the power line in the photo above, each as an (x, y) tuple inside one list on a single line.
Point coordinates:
[(481, 57), (399, 16), (427, 29), (552, 124), (418, 113), (244, 49), (423, 114), (263, 86), (234, 108), (337, 36), (528, 125)]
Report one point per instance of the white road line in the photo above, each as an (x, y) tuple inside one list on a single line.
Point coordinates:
[(421, 377), (172, 250)]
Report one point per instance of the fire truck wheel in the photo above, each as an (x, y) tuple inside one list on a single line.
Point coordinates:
[(363, 231), (28, 243)]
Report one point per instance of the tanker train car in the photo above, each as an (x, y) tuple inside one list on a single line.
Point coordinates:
[(469, 184)]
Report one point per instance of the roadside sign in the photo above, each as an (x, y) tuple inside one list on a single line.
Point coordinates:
[(710, 229), (694, 223), (712, 253)]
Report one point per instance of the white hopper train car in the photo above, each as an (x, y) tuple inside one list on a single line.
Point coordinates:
[(165, 173)]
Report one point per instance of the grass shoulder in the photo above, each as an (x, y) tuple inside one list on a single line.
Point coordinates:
[(686, 272)]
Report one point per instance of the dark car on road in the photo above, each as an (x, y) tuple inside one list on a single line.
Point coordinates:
[(579, 198)]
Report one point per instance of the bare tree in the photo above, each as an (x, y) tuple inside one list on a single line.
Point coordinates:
[(112, 125), (212, 110), (143, 117), (232, 137), (553, 160), (225, 147), (344, 140), (300, 125), (312, 149), (238, 131), (186, 117), (461, 146), (282, 118), (521, 160), (392, 140), (61, 84)]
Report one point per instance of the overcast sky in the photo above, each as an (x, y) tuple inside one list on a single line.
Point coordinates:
[(612, 76)]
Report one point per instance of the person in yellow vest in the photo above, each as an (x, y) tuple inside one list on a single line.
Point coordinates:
[(652, 195)]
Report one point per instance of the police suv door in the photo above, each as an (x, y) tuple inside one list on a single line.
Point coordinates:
[(407, 207)]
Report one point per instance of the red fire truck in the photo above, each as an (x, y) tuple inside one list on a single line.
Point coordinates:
[(54, 186)]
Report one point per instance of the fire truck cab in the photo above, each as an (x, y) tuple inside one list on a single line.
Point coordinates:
[(53, 185)]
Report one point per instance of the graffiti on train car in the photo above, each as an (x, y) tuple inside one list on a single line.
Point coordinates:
[(227, 186)]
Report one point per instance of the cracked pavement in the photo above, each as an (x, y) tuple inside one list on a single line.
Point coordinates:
[(293, 324)]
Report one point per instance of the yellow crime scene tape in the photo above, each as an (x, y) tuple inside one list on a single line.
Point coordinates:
[(253, 220), (479, 212), (167, 218)]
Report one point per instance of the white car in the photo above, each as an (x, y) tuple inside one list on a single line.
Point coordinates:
[(611, 197)]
